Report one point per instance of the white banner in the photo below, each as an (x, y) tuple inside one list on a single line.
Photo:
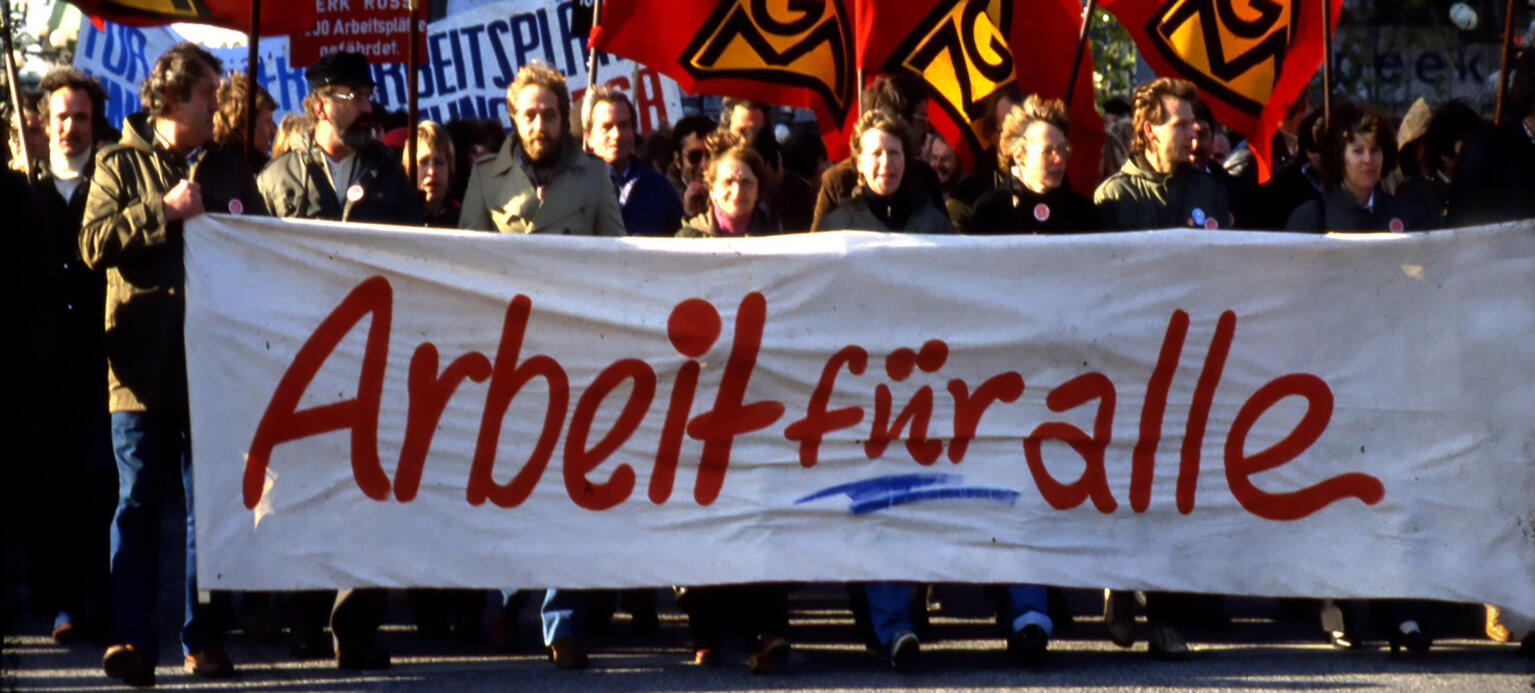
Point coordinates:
[(1240, 413), (472, 56)]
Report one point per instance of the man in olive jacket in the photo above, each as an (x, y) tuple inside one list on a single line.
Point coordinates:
[(541, 181), (341, 174), (164, 171), (1158, 188)]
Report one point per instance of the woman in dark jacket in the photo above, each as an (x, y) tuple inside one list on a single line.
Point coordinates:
[(1034, 148), (1359, 146), (880, 203), (734, 177)]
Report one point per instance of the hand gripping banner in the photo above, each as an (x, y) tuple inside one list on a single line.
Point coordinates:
[(1241, 413)]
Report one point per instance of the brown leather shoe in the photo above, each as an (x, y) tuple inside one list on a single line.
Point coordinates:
[(567, 653), (770, 652), (211, 663), (128, 665), (1495, 628)]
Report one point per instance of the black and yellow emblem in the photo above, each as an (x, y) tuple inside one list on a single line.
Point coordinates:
[(180, 9), (960, 49), (1232, 49), (805, 43)]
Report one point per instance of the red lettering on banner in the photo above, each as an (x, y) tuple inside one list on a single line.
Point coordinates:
[(1199, 411), (429, 395), (693, 328), (579, 461), (506, 380), (1094, 480), (731, 416), (1006, 387), (1143, 459), (818, 421), (1296, 504), (283, 421)]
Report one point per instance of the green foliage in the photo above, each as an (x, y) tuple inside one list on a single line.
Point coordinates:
[(1113, 56)]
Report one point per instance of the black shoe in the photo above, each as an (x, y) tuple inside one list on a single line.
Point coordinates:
[(364, 656), (1028, 645), (1166, 643), (567, 653), (310, 643), (1119, 616), (903, 652), (128, 665), (1410, 637)]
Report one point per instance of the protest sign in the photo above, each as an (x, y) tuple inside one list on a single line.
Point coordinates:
[(471, 57), (1240, 413)]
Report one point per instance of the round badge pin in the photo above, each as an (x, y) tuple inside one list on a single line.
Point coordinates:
[(354, 193), (1198, 215), (1041, 212), (1395, 226), (1211, 224), (236, 207)]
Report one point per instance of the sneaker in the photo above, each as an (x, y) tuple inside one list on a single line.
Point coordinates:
[(1166, 643), (903, 651), (567, 653), (128, 665), (1119, 616), (770, 652), (1029, 644), (211, 663)]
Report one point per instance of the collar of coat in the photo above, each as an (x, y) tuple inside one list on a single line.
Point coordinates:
[(571, 156)]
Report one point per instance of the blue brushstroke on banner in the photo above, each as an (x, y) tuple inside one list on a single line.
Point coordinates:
[(882, 492)]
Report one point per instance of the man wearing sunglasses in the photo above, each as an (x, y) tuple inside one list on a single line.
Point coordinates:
[(344, 173), (341, 174)]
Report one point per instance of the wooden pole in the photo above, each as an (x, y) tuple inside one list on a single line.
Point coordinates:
[(411, 112), (1326, 63), (253, 43), (1508, 47), (10, 76), (1076, 61)]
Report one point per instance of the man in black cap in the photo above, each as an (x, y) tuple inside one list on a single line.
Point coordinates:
[(342, 174)]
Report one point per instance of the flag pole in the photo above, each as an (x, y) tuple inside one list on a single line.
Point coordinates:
[(591, 72), (1326, 63), (253, 41), (10, 76), (411, 112), (1508, 46), (1076, 62)]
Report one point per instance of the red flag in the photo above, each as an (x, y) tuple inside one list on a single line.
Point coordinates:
[(789, 52), (278, 17), (1250, 59), (968, 50)]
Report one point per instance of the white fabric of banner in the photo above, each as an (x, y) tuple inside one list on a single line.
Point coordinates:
[(1233, 412)]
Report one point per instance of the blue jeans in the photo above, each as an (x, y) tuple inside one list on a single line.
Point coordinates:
[(562, 613), (149, 446), (1026, 605), (889, 610)]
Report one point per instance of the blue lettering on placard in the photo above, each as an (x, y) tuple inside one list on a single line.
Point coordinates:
[(472, 36), (291, 79), (440, 64), (123, 53), (458, 61), (524, 41), (493, 32), (389, 83), (566, 10)]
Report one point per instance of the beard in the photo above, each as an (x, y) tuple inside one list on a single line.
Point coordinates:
[(359, 133), (542, 149)]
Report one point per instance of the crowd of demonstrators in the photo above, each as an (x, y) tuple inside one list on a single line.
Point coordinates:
[(107, 208)]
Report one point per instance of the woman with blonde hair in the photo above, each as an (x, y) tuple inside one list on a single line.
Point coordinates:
[(734, 176)]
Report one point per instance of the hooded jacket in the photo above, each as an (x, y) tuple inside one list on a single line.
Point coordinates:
[(1138, 198)]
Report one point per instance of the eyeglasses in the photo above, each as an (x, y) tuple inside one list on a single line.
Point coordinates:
[(354, 94), (1063, 151)]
